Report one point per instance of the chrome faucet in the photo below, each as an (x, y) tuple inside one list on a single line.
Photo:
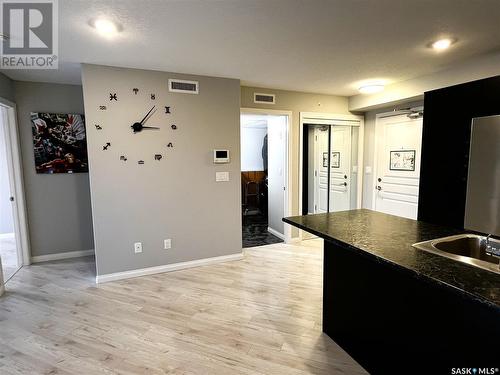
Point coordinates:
[(492, 250)]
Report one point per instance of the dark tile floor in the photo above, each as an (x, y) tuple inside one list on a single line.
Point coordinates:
[(255, 231)]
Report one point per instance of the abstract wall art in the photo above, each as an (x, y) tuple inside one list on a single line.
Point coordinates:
[(59, 143)]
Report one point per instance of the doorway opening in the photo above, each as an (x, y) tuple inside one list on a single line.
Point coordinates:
[(264, 178), (13, 236)]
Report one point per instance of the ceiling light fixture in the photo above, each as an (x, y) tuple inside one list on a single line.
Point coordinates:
[(105, 27), (442, 44), (371, 88)]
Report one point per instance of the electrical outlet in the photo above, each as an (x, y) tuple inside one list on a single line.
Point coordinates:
[(167, 244), (138, 247)]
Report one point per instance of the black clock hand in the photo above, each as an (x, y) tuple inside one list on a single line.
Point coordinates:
[(147, 114), (137, 126)]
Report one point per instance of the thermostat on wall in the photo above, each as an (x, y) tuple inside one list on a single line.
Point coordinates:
[(221, 156)]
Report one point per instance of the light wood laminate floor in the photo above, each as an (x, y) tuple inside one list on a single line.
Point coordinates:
[(8, 253), (260, 315)]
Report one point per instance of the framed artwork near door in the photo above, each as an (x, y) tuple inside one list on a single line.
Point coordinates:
[(335, 159), (402, 160), (325, 159)]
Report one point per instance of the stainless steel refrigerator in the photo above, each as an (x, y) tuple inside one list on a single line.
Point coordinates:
[(482, 210)]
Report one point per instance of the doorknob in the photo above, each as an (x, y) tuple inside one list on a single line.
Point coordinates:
[(341, 184), (345, 176), (11, 199), (379, 179), (378, 187)]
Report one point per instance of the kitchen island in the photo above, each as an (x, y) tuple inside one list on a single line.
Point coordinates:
[(390, 305)]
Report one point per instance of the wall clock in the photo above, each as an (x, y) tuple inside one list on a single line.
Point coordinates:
[(141, 123)]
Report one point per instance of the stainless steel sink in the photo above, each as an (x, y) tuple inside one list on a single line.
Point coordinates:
[(466, 248)]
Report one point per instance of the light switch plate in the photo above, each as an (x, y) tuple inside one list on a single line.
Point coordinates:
[(138, 247), (368, 170), (221, 176)]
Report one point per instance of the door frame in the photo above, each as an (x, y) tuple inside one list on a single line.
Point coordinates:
[(288, 160), (332, 119), (378, 117), (15, 171)]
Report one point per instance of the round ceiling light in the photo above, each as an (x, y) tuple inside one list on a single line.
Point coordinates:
[(105, 27), (371, 89), (442, 44)]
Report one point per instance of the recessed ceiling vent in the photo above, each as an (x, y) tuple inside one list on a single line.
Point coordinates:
[(264, 98), (180, 85)]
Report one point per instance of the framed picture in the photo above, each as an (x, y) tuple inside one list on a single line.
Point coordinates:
[(325, 159), (59, 143), (335, 159), (402, 160)]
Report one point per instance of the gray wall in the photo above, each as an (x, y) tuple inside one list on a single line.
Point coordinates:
[(176, 197), (59, 211), (296, 102), (6, 87), (369, 149)]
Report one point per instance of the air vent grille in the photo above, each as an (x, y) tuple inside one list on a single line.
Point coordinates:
[(264, 98), (179, 85)]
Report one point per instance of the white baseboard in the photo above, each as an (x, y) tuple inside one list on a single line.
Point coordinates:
[(276, 233), (59, 256), (6, 236), (166, 268)]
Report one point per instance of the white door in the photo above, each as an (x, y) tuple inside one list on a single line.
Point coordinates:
[(321, 169), (276, 154), (398, 153), (340, 168), (10, 254)]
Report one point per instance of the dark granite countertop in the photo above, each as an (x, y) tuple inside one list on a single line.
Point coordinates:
[(389, 238)]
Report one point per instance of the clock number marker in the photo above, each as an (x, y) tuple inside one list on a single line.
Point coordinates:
[(113, 97), (173, 126), (106, 146), (123, 158), (153, 96), (158, 157), (170, 144), (167, 109), (98, 127), (135, 90), (140, 162), (102, 107)]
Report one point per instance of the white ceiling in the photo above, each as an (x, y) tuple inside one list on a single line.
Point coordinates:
[(309, 45)]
